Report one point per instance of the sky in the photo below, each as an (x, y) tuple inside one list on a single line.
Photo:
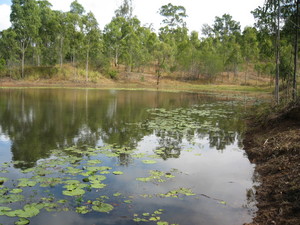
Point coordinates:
[(199, 11)]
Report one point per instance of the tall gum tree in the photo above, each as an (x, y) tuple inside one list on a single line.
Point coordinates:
[(26, 23), (91, 37)]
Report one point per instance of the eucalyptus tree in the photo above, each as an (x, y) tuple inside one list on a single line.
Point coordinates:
[(211, 60), (250, 48), (122, 37), (226, 30), (8, 49), (188, 56), (272, 14), (174, 32), (91, 37), (296, 48), (75, 29), (45, 43), (173, 16), (113, 35), (25, 22), (125, 10), (60, 28), (164, 57), (225, 26)]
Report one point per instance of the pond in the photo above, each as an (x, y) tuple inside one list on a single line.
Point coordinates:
[(76, 156)]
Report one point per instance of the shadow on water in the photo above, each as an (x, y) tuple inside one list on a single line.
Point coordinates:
[(196, 136), (37, 121)]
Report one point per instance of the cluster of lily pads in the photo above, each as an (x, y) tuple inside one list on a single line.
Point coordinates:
[(73, 172), (185, 119)]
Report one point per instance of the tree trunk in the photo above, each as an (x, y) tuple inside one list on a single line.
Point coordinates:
[(87, 67), (246, 73), (61, 51), (74, 63), (23, 61), (158, 77), (277, 54), (296, 53), (116, 57)]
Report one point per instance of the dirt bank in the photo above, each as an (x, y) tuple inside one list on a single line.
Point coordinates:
[(274, 145)]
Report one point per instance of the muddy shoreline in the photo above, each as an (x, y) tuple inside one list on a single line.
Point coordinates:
[(274, 146)]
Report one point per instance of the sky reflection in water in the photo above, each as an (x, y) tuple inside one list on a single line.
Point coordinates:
[(195, 137)]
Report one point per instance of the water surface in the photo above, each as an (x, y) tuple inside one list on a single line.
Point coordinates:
[(189, 143)]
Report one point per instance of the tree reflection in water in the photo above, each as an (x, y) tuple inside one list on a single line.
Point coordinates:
[(39, 120)]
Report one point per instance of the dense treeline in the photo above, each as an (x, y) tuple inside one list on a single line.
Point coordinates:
[(44, 39)]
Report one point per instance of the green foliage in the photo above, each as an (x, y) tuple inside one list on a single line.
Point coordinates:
[(41, 38), (2, 64), (113, 74), (174, 16)]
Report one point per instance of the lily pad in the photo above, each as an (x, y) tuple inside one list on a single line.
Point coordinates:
[(162, 223), (2, 180), (74, 192), (98, 185), (82, 210), (22, 221), (94, 162), (102, 207), (128, 201), (4, 210), (117, 194), (16, 191), (29, 210), (118, 173), (149, 161), (25, 182)]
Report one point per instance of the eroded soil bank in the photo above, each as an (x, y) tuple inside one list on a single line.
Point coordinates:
[(274, 146)]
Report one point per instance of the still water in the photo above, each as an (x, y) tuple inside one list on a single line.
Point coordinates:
[(94, 157)]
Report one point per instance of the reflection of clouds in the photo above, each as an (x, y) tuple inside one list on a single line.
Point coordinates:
[(99, 119), (223, 175), (72, 218), (4, 138)]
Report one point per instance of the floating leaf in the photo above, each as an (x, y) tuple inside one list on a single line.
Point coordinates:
[(154, 218), (86, 179), (144, 179), (93, 162), (82, 210), (25, 182), (97, 178), (2, 180), (117, 172), (98, 185), (162, 223), (105, 172), (102, 207), (29, 210), (149, 161), (73, 171), (22, 221), (128, 201), (4, 210), (74, 192), (11, 198), (16, 191), (117, 194)]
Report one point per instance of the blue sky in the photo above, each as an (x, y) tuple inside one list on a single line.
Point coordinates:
[(199, 11), (8, 2)]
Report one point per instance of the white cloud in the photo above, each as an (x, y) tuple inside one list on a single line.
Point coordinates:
[(4, 16), (199, 11)]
